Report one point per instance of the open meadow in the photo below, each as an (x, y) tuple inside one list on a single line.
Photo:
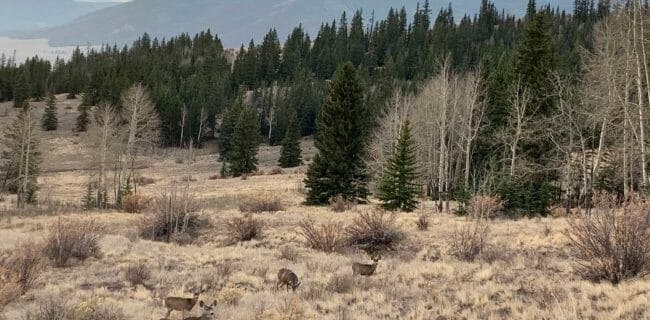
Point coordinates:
[(523, 270)]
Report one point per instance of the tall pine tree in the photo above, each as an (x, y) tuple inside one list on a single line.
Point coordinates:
[(398, 188), (338, 168), (245, 141), (50, 120), (83, 118), (290, 153), (21, 91)]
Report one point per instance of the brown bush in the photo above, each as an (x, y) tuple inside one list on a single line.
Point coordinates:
[(73, 238), (469, 240), (213, 177), (25, 264), (137, 273), (325, 237), (52, 308), (339, 203), (374, 232), (244, 228), (144, 181), (20, 270), (340, 283), (173, 217), (134, 203), (289, 253), (422, 223), (609, 245), (261, 203), (484, 206)]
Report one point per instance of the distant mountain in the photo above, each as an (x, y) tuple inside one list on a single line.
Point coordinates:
[(26, 15), (235, 21)]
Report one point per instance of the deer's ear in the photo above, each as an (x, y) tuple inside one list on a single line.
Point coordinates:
[(201, 303)]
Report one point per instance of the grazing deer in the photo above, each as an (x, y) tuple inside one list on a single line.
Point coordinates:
[(181, 304), (288, 279), (208, 311), (365, 269)]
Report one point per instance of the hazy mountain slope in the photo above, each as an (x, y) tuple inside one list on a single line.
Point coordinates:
[(235, 21), (34, 14)]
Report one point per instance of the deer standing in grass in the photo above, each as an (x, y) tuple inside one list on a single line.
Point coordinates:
[(181, 304), (288, 279), (365, 269), (207, 313)]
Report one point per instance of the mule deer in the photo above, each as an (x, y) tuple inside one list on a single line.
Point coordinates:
[(208, 311), (365, 269), (288, 279), (181, 304)]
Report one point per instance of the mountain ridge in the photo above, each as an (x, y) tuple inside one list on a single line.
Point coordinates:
[(234, 21)]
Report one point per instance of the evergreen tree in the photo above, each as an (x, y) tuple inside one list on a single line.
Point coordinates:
[(245, 141), (21, 91), (88, 201), (50, 121), (290, 154), (226, 131), (398, 188), (83, 118), (535, 61), (338, 168)]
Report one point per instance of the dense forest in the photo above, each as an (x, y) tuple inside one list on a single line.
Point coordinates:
[(544, 109)]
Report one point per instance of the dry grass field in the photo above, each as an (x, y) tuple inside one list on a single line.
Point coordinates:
[(525, 272)]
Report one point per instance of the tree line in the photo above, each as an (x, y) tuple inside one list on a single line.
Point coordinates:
[(477, 95)]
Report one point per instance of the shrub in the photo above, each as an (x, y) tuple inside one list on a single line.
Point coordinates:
[(339, 203), (133, 203), (95, 309), (374, 231), (484, 207), (261, 203), (49, 309), (244, 228), (526, 196), (469, 240), (24, 265), (276, 171), (143, 181), (611, 246), (289, 253), (138, 274), (422, 222), (73, 238), (325, 237), (340, 283), (213, 177), (174, 217)]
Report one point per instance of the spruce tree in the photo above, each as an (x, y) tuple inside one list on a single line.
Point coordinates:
[(290, 153), (246, 137), (50, 120), (398, 188), (21, 91), (338, 167), (83, 118), (226, 131)]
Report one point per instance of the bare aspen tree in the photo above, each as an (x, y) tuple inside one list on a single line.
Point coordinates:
[(203, 121), (182, 124), (398, 109), (471, 112), (518, 127), (143, 126), (104, 133), (637, 40)]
